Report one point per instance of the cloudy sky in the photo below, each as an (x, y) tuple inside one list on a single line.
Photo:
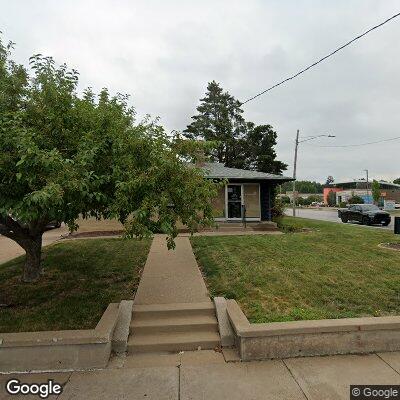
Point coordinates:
[(163, 53)]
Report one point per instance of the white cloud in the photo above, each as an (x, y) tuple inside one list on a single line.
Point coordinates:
[(164, 52)]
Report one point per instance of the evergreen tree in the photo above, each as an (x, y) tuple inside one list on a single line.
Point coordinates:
[(219, 119), (376, 191), (332, 198), (239, 144)]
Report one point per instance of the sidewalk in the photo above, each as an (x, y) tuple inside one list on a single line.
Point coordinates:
[(204, 375), (171, 276)]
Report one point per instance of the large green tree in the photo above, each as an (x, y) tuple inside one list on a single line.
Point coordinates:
[(64, 156), (239, 144), (397, 181), (219, 119), (311, 187), (259, 151), (329, 180), (376, 191), (331, 198)]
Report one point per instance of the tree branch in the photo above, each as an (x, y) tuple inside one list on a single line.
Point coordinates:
[(13, 230), (5, 231)]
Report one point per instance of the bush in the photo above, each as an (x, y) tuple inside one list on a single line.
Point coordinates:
[(342, 204), (356, 200), (278, 209), (285, 199), (331, 198), (301, 202), (315, 198), (288, 227), (307, 201)]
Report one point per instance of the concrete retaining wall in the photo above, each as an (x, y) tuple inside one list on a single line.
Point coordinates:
[(225, 329), (311, 338), (59, 350), (121, 333)]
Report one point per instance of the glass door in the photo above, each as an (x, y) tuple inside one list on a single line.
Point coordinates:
[(251, 196), (234, 201)]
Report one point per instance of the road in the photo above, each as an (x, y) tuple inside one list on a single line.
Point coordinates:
[(328, 215)]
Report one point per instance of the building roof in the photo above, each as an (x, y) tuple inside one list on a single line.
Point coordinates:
[(355, 181), (219, 171)]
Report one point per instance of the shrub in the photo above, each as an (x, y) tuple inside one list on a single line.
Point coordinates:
[(331, 198), (301, 202), (315, 197), (356, 200), (288, 227), (278, 209), (307, 201), (285, 199)]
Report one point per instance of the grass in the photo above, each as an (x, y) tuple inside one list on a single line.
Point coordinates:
[(331, 271), (81, 278)]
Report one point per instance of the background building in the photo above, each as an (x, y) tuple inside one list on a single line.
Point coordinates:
[(298, 195), (360, 187)]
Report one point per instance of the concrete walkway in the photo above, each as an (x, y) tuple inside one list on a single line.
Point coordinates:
[(232, 233), (204, 375), (10, 249), (171, 276)]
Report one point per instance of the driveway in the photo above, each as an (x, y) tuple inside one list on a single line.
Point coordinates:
[(328, 215)]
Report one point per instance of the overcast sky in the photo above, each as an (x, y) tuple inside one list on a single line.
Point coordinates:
[(163, 53)]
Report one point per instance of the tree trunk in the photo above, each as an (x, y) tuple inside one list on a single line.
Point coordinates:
[(33, 249)]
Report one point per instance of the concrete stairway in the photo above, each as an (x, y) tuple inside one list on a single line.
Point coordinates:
[(173, 327)]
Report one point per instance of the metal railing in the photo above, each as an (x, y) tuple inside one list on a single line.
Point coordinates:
[(244, 215)]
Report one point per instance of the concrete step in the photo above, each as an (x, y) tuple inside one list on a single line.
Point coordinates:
[(181, 323), (232, 228), (172, 310), (172, 341)]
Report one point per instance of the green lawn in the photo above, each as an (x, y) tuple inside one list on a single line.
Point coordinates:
[(331, 271), (81, 278)]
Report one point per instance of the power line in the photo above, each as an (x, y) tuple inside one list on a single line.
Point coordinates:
[(322, 59), (356, 145)]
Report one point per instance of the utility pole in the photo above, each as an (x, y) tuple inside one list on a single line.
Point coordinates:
[(367, 182), (304, 139), (294, 173)]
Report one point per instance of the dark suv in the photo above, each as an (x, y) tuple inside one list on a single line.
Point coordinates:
[(367, 214)]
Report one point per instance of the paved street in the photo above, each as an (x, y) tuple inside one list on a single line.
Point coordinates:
[(327, 215), (204, 375)]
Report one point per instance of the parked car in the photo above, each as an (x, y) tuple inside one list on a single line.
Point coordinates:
[(317, 204), (53, 225), (367, 214)]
